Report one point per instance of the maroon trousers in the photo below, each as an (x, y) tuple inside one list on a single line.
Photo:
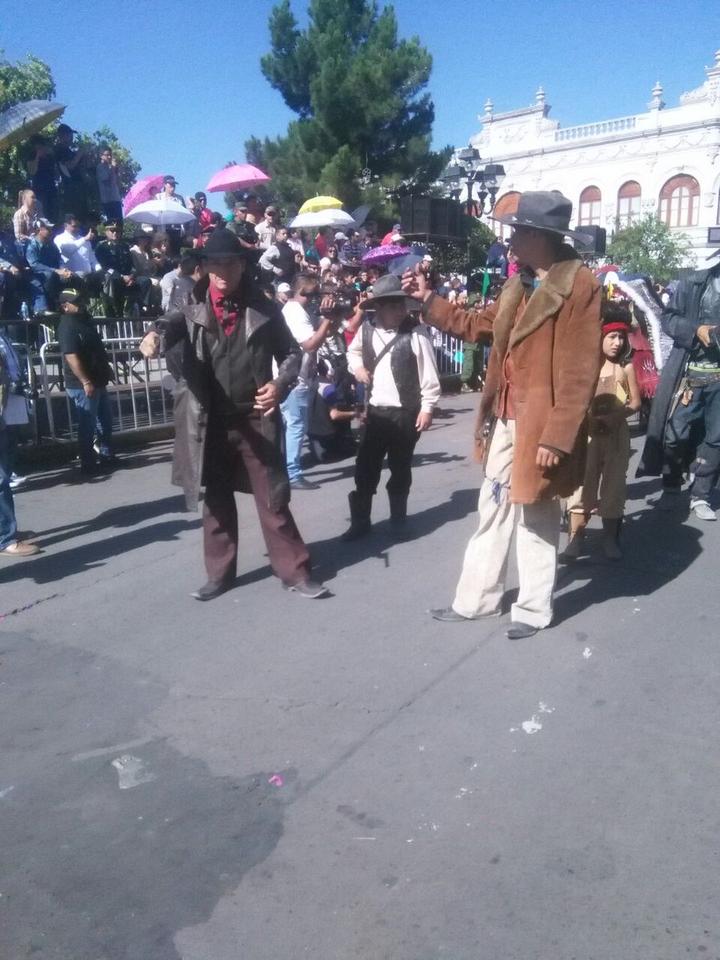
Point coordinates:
[(235, 449)]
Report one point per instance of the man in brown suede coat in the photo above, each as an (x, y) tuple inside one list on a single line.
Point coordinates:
[(541, 377)]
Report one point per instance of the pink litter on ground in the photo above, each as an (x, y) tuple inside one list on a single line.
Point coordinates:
[(276, 780)]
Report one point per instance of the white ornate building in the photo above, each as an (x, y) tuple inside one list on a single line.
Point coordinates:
[(666, 160)]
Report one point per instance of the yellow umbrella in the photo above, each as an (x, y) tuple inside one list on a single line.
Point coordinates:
[(320, 203)]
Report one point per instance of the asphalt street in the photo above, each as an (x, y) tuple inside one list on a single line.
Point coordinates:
[(269, 778)]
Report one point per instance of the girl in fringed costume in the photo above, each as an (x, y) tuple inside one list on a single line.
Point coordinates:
[(616, 398)]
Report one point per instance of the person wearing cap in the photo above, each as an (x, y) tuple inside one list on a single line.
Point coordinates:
[(541, 377), (86, 371), (228, 433), (283, 293), (73, 194), (617, 397), (683, 434), (121, 286), (242, 228), (395, 359), (267, 229), (47, 273)]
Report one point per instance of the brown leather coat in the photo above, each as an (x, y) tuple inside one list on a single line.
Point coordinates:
[(555, 351)]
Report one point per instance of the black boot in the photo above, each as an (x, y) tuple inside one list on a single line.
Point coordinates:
[(360, 505), (611, 536), (398, 514)]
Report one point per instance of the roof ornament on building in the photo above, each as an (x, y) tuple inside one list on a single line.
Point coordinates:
[(540, 97), (657, 102), (488, 109), (710, 90)]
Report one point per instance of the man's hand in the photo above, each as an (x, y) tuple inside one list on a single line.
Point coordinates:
[(150, 345), (62, 272), (546, 458), (15, 271), (703, 333), (128, 280), (88, 387), (362, 375), (415, 284), (423, 422), (266, 399)]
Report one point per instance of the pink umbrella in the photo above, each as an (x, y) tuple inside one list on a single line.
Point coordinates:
[(380, 255), (141, 191), (237, 177)]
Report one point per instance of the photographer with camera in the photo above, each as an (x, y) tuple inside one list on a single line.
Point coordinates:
[(309, 316)]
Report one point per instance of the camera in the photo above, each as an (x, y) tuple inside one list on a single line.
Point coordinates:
[(344, 301)]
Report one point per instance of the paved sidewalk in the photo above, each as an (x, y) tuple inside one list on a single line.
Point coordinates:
[(264, 777)]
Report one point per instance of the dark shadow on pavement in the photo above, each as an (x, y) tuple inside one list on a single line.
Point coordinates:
[(333, 554), (57, 566), (657, 548)]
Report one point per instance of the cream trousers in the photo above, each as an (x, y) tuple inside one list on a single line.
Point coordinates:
[(482, 581)]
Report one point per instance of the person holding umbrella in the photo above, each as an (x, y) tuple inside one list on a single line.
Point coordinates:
[(228, 433)]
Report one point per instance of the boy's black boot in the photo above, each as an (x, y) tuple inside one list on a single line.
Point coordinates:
[(360, 506)]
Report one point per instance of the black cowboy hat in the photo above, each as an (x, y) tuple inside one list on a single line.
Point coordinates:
[(222, 245), (388, 288), (545, 210)]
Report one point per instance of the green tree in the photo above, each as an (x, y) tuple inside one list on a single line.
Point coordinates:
[(31, 79), (650, 247), (359, 94)]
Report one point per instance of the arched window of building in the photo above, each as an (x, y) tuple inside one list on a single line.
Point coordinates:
[(628, 208), (680, 201), (506, 205), (589, 212)]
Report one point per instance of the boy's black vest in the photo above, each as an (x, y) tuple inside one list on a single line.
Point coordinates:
[(403, 362)]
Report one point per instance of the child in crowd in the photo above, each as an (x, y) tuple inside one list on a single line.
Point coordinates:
[(616, 398), (394, 358)]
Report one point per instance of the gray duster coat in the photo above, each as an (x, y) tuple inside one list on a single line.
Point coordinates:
[(189, 339)]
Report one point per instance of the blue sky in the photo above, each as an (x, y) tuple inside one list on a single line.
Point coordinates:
[(180, 82)]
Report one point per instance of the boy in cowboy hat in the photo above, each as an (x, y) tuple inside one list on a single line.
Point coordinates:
[(395, 360), (541, 377)]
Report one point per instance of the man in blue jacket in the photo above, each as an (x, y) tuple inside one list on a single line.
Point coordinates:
[(47, 274)]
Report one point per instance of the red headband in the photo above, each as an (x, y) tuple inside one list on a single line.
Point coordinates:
[(612, 325)]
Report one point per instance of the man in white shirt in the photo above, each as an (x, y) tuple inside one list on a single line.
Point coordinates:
[(76, 249), (395, 360), (306, 294)]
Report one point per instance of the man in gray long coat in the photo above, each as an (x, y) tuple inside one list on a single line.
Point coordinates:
[(220, 350)]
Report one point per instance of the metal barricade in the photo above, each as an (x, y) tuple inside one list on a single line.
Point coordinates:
[(448, 352), (139, 399)]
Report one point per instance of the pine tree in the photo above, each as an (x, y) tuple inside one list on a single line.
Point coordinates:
[(360, 98)]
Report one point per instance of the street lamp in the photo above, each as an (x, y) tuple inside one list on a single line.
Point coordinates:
[(469, 170)]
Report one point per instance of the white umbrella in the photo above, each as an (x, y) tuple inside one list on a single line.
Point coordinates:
[(323, 218), (161, 212), (22, 120)]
